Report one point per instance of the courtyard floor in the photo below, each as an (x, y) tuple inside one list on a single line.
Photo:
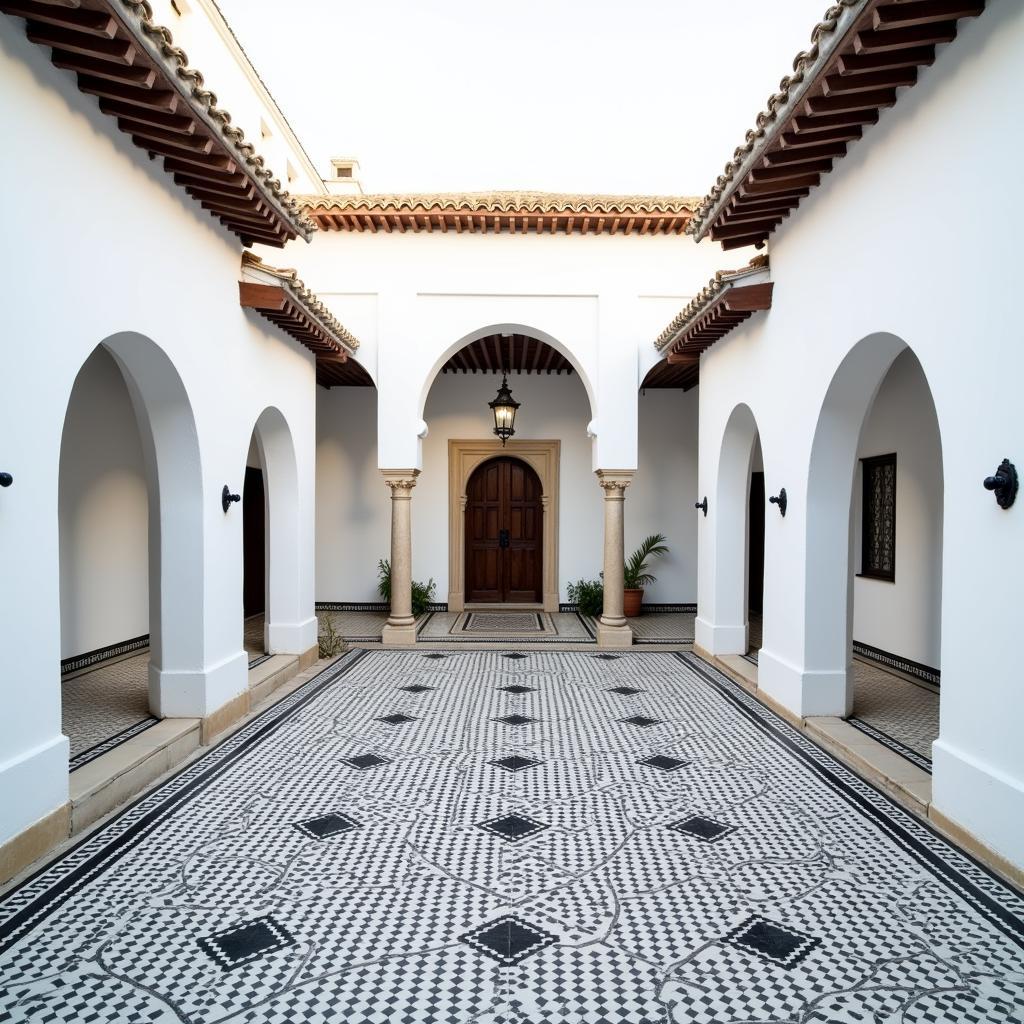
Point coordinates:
[(456, 835)]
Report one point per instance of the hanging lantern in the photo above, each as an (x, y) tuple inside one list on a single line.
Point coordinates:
[(504, 408)]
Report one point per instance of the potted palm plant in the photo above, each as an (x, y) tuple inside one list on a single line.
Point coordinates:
[(636, 575)]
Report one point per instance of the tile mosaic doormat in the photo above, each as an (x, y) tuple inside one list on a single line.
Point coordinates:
[(509, 838)]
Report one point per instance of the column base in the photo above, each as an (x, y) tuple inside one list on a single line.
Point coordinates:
[(717, 639), (33, 785), (292, 637), (806, 693), (197, 694), (614, 636), (400, 632)]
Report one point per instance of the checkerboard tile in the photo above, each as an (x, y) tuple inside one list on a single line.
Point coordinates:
[(381, 847)]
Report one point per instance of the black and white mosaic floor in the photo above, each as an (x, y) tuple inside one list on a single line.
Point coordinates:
[(564, 837)]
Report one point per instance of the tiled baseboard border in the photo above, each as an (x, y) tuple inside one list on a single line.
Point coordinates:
[(905, 665), (90, 659)]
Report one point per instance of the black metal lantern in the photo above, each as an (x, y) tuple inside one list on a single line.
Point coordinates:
[(504, 408)]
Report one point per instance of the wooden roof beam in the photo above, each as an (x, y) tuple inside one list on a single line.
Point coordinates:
[(170, 122), (805, 154), (781, 186), (880, 40), (261, 296), (848, 103), (116, 50), (892, 78), (744, 228), (135, 75), (155, 99), (866, 63), (925, 12), (808, 139), (749, 298), (849, 118), (739, 243), (97, 23)]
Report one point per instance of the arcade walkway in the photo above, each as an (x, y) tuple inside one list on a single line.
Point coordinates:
[(513, 837)]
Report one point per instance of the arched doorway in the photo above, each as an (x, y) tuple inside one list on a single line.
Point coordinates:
[(504, 533)]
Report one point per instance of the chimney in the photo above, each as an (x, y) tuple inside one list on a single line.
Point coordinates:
[(344, 179)]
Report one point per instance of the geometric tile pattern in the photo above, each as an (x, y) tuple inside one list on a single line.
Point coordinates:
[(322, 865), (902, 710), (504, 623), (533, 628)]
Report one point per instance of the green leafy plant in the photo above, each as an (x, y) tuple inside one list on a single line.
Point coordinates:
[(637, 575), (588, 595), (329, 640), (422, 593)]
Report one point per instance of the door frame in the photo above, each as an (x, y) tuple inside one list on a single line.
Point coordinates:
[(463, 457)]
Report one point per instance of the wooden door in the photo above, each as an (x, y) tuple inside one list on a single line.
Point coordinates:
[(254, 543), (504, 533), (755, 548)]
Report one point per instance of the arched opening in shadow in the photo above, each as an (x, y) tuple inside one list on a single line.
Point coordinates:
[(874, 549), (739, 538), (130, 541), (271, 596), (550, 438), (504, 532)]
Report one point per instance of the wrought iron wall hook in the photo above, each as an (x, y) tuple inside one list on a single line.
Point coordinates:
[(6, 479), (702, 505), (1003, 483), (780, 500), (226, 498)]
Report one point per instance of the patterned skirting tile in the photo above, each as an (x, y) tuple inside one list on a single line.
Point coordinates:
[(513, 628), (505, 624), (508, 838)]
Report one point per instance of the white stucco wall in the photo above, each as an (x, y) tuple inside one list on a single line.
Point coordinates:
[(117, 252), (353, 525), (104, 514), (873, 255), (904, 617)]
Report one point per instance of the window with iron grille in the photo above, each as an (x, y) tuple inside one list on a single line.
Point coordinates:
[(878, 519)]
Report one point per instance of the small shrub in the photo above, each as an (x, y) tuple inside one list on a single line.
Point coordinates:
[(422, 593), (329, 640), (588, 594)]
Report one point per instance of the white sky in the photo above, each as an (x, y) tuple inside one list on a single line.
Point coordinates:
[(650, 96)]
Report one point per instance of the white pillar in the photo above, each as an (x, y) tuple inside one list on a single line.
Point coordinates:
[(401, 625), (612, 628)]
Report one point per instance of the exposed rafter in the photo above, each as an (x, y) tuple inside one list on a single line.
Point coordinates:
[(495, 212), (144, 83), (508, 353), (861, 54)]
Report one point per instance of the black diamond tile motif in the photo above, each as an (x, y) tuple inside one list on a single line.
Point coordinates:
[(705, 829), (434, 655), (771, 941), (508, 940), (514, 719), (242, 943), (365, 761), (663, 762), (517, 688), (641, 721), (396, 719), (625, 691), (515, 656), (607, 657), (515, 763), (324, 826), (513, 827), (416, 688)]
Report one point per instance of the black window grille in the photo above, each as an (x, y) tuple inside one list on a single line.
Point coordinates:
[(878, 520)]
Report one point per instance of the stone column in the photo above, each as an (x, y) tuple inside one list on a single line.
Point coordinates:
[(401, 625), (613, 629)]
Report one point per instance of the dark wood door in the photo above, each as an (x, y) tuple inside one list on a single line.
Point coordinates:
[(755, 578), (504, 532), (254, 543)]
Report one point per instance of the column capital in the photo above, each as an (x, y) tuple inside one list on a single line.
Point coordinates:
[(614, 481), (401, 481)]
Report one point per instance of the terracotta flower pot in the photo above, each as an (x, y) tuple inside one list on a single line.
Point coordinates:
[(632, 601)]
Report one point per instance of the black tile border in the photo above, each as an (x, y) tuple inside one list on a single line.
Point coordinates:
[(911, 755), (82, 759), (973, 881), (569, 606), (90, 659), (911, 668), (369, 606)]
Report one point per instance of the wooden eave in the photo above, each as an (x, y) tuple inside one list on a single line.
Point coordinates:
[(508, 353), (279, 297), (389, 218), (856, 65), (143, 82)]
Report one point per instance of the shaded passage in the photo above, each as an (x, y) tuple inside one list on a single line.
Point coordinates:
[(448, 836)]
